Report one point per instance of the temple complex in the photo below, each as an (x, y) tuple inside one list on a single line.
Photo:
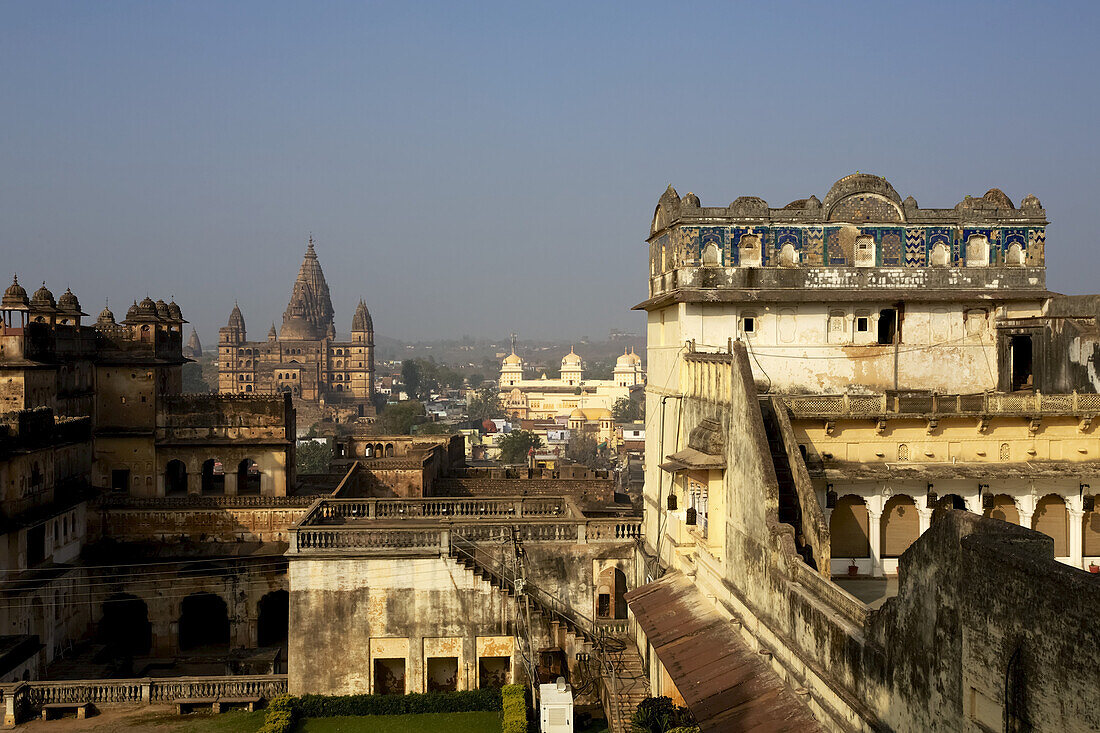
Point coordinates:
[(325, 377)]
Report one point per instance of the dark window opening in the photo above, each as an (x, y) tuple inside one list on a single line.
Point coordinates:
[(1016, 717), (1022, 373), (125, 628), (36, 546), (442, 674), (204, 623), (175, 478), (748, 324), (213, 477), (862, 324), (273, 624), (389, 676), (120, 479), (248, 477), (887, 326), (493, 672), (603, 605)]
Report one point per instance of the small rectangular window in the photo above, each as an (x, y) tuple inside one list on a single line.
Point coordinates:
[(748, 324), (862, 324)]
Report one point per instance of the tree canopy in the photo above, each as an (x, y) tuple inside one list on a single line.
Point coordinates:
[(485, 404), (626, 410), (515, 445), (312, 457), (398, 418)]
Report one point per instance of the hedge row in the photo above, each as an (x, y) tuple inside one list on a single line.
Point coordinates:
[(515, 709), (462, 701)]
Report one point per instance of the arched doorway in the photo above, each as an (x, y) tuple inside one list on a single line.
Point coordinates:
[(204, 623), (900, 525), (273, 619), (248, 477), (1091, 532), (175, 478), (1004, 509), (948, 501), (1052, 520), (849, 527), (610, 594), (124, 627), (213, 477)]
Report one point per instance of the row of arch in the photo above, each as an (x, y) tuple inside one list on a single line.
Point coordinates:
[(203, 623), (212, 477), (849, 525), (378, 450), (977, 253)]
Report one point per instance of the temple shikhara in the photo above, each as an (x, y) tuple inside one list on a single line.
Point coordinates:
[(326, 377)]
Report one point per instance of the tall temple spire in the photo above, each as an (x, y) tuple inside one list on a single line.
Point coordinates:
[(309, 314)]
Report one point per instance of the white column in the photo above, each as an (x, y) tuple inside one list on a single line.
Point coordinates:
[(874, 527), (924, 515), (1076, 515)]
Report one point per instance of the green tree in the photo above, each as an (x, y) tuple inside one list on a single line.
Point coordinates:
[(515, 445), (660, 715), (626, 410), (485, 404), (192, 379), (411, 377), (398, 419), (312, 457), (582, 448), (475, 380)]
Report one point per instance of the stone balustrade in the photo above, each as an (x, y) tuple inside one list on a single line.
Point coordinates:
[(336, 511), (923, 403), (386, 536), (21, 697)]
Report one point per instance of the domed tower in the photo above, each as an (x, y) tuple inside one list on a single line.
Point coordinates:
[(43, 307), (308, 315), (15, 301), (234, 332), (511, 370), (626, 372), (572, 369), (68, 308), (361, 359)]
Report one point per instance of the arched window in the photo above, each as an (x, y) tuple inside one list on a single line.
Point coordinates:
[(940, 255), (1052, 520), (865, 251), (903, 452), (848, 528), (1004, 509), (977, 251), (749, 251), (175, 478), (712, 255), (900, 525), (1015, 255), (788, 256)]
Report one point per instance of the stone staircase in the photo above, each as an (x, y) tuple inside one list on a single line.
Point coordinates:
[(631, 687)]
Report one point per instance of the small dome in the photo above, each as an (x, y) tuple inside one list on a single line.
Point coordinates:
[(15, 297), (43, 299), (175, 312), (571, 359), (162, 310), (147, 308), (513, 360), (1031, 203), (132, 312), (626, 360), (106, 316), (68, 302), (577, 414), (637, 359)]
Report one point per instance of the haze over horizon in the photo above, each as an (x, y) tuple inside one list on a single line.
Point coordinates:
[(493, 169)]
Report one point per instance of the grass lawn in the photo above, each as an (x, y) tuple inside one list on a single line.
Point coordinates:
[(488, 722)]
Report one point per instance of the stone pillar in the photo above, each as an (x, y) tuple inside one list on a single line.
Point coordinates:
[(194, 482), (230, 482), (874, 529), (1076, 525), (160, 483), (925, 516), (12, 703), (1025, 517)]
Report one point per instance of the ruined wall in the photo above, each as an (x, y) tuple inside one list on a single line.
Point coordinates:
[(341, 608), (168, 521)]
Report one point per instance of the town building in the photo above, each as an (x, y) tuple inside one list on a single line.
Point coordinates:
[(325, 377), (545, 398), (869, 463)]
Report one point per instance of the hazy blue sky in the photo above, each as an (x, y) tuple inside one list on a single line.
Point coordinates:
[(493, 167)]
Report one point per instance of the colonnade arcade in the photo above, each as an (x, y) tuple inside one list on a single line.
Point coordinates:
[(218, 472), (871, 526)]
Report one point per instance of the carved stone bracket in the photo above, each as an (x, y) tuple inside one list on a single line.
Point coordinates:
[(1034, 424), (880, 426), (1085, 424), (830, 427), (983, 425), (932, 424)]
